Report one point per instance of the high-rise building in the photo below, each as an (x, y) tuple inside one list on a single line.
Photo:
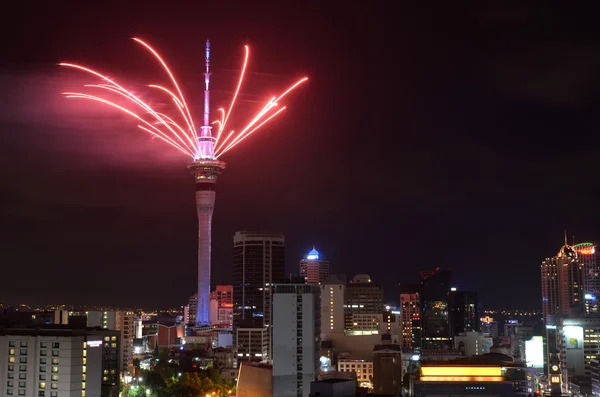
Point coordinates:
[(125, 323), (410, 312), (313, 268), (464, 312), (56, 361), (296, 338), (435, 321), (364, 304), (333, 297), (191, 310), (221, 305), (586, 255), (258, 264), (562, 284)]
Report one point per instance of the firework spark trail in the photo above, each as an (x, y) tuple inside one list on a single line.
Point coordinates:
[(115, 87), (180, 107), (172, 80), (192, 146), (251, 131), (164, 137), (260, 114), (237, 90), (139, 102)]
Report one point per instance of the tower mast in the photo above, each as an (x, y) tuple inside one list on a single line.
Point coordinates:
[(206, 140), (205, 169)]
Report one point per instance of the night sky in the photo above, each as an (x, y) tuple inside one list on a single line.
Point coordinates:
[(464, 138)]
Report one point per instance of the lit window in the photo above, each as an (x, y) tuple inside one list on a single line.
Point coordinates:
[(55, 378), (54, 385), (55, 361), (42, 385), (11, 359)]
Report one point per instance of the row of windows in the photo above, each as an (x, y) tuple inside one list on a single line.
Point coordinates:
[(23, 384), (23, 343)]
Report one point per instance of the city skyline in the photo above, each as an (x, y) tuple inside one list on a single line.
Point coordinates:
[(466, 190)]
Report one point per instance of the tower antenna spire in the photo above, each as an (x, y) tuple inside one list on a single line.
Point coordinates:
[(565, 236), (206, 140)]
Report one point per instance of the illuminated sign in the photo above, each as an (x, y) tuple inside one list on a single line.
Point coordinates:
[(585, 248), (534, 352), (94, 343), (590, 297), (469, 371), (462, 379), (573, 337)]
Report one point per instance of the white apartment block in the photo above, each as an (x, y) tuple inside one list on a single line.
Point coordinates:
[(363, 368), (50, 363), (253, 344), (122, 321), (296, 339)]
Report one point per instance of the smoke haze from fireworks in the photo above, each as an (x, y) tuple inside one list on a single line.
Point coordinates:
[(182, 136)]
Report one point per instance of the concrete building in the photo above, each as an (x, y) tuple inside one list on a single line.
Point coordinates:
[(221, 305), (252, 344), (255, 380), (362, 367), (333, 298), (122, 321), (55, 361), (258, 264), (387, 367), (314, 269), (296, 338), (578, 345), (595, 375), (410, 310), (473, 343), (562, 284), (364, 304)]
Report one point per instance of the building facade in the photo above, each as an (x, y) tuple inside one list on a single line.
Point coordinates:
[(57, 362), (221, 305), (314, 269), (333, 298), (435, 320), (410, 312), (586, 255), (562, 284), (364, 304), (258, 264), (296, 338), (464, 312), (387, 369)]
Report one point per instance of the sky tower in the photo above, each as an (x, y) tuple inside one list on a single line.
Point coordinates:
[(204, 148), (206, 168)]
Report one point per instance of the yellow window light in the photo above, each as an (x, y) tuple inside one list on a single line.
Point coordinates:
[(460, 371), (461, 379)]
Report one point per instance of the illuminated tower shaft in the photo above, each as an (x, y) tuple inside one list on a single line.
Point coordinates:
[(205, 168)]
